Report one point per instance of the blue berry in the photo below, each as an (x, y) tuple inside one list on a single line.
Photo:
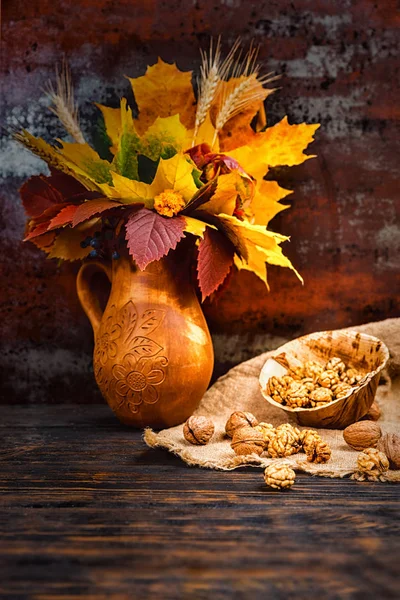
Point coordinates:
[(115, 255), (95, 243), (84, 244), (93, 254)]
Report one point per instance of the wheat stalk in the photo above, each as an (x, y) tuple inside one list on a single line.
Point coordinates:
[(64, 105), (212, 71), (247, 90)]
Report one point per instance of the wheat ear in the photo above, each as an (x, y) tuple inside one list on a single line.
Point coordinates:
[(42, 150), (212, 70), (63, 103), (247, 90)]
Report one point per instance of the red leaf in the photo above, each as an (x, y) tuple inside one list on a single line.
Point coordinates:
[(214, 261), (40, 192), (39, 230), (37, 195), (64, 217), (87, 210), (45, 241), (66, 185), (151, 236)]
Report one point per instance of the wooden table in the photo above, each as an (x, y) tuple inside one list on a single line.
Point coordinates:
[(87, 510)]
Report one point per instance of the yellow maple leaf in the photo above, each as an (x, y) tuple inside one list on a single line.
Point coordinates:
[(86, 161), (196, 227), (224, 198), (168, 131), (67, 244), (265, 203), (175, 173), (162, 92), (282, 144), (129, 191), (112, 122), (256, 263), (206, 134), (256, 245)]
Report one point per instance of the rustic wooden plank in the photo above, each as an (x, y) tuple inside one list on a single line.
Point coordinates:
[(87, 510)]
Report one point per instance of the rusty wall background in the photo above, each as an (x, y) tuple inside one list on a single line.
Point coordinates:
[(340, 66)]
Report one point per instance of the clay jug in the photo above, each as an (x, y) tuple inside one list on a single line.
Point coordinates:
[(153, 354)]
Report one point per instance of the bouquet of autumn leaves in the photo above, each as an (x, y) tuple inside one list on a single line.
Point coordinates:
[(183, 167)]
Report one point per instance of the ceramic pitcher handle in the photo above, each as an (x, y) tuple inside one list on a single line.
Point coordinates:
[(87, 298)]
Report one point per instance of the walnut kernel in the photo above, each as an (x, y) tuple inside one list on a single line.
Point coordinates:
[(267, 430), (279, 476), (308, 437), (371, 465), (321, 394), (318, 452), (336, 364)]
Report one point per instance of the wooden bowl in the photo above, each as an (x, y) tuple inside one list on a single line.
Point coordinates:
[(365, 353)]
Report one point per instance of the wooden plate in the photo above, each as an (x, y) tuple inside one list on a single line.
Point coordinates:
[(365, 353)]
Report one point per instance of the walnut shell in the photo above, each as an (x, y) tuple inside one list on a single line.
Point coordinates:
[(239, 419), (247, 440), (390, 445), (363, 434), (198, 430)]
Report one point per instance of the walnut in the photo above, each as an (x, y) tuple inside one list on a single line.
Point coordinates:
[(335, 364), (297, 372), (321, 394), (341, 389), (198, 430), (371, 465), (293, 388), (247, 440), (390, 445), (283, 443), (351, 376), (363, 434), (279, 476), (374, 413), (308, 437), (308, 384), (328, 378), (267, 430), (313, 369), (318, 452), (239, 419), (275, 386), (291, 430), (278, 398), (286, 380), (299, 401)]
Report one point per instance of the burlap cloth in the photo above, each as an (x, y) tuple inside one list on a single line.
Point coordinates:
[(239, 390)]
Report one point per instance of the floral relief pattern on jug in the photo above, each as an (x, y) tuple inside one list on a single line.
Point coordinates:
[(136, 378)]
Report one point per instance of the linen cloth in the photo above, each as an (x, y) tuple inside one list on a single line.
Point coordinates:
[(239, 390)]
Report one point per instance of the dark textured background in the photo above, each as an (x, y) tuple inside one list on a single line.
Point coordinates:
[(340, 66)]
